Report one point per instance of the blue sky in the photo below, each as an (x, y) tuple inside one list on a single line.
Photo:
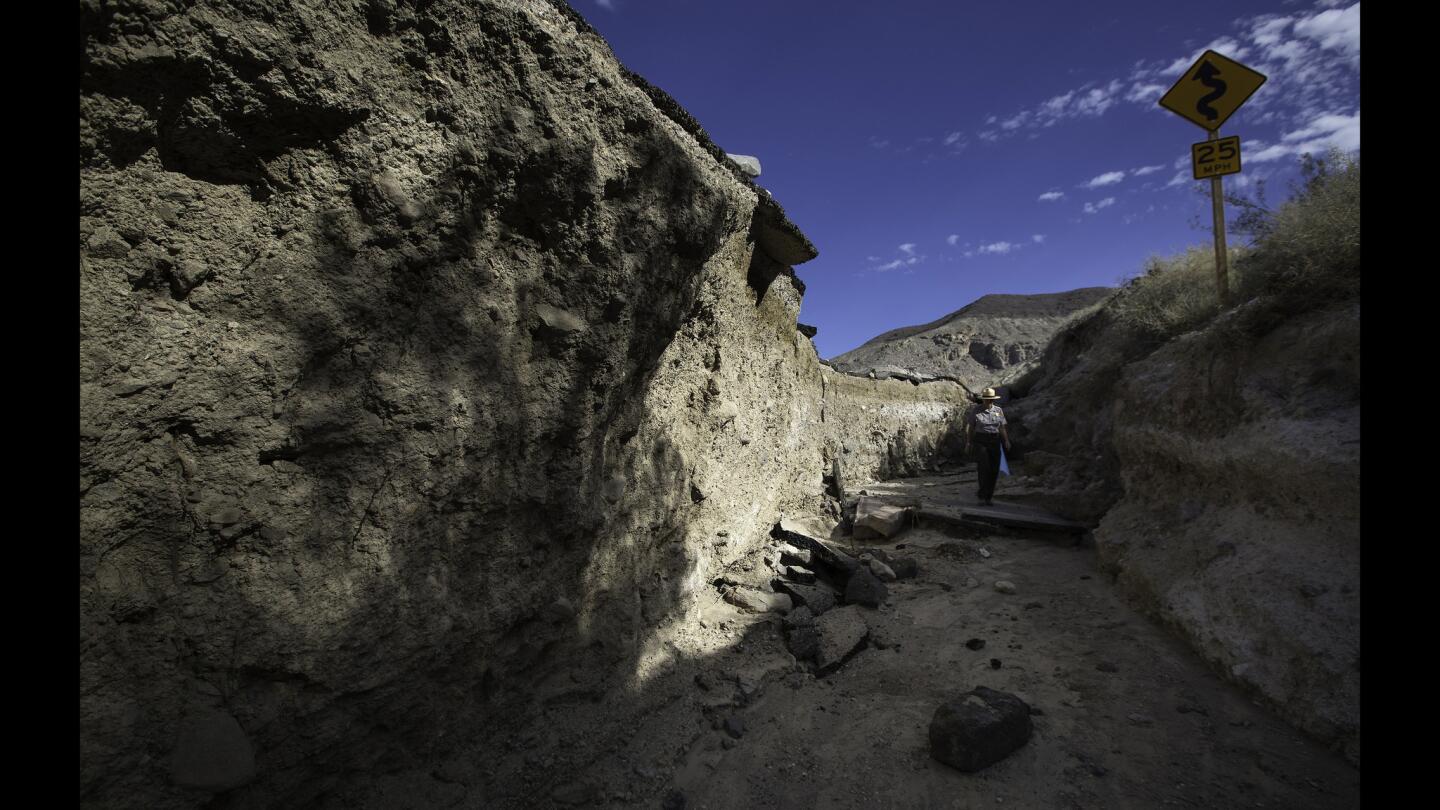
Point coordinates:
[(938, 150)]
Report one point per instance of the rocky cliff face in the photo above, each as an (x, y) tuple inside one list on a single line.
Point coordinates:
[(1223, 470), (430, 361), (989, 342)]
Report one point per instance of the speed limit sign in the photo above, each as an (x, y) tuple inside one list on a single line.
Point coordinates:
[(1214, 158)]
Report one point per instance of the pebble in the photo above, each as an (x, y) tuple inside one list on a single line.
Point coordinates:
[(1141, 720), (985, 553), (1005, 586), (1106, 666)]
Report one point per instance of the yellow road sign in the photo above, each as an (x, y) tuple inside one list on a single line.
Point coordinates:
[(1214, 158), (1211, 90)]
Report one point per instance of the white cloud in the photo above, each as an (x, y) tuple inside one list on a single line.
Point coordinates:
[(1336, 29), (1106, 179), (1091, 208), (952, 239), (1051, 196), (1145, 92), (1183, 177), (908, 248), (890, 265), (1038, 238), (999, 247), (608, 5), (1144, 170), (953, 138), (1316, 137)]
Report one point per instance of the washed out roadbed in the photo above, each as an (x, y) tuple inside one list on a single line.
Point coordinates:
[(1124, 715)]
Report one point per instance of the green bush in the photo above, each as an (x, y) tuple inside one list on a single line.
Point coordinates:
[(1308, 251)]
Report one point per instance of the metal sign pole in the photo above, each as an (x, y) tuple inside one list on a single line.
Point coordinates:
[(1217, 197)]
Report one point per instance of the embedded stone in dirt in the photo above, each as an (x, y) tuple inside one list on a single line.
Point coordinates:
[(816, 597), (753, 601), (804, 642), (976, 644), (1005, 587), (904, 567), (865, 589), (842, 631), (1106, 666), (795, 573), (882, 572), (979, 728)]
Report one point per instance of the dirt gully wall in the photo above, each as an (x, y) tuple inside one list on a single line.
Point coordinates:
[(1223, 470), (429, 362)]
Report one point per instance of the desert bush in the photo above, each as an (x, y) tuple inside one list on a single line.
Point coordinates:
[(1174, 294), (1308, 250)]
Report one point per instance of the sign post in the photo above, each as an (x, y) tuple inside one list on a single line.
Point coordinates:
[(1206, 95)]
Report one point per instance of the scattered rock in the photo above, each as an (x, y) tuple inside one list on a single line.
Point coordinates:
[(976, 644), (818, 598), (559, 321), (1191, 709), (107, 243), (882, 571), (1106, 666), (979, 728), (789, 555), (799, 617), (904, 567), (1033, 605), (1005, 586), (995, 663), (842, 631), (1141, 720), (212, 753), (865, 589), (735, 727), (795, 573), (755, 601), (875, 519), (984, 552), (804, 642)]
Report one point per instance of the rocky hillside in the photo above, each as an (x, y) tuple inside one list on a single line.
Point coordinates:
[(431, 364), (989, 342)]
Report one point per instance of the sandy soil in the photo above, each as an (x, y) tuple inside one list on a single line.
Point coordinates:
[(1125, 716)]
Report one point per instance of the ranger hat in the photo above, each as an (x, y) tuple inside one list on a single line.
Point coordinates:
[(989, 393)]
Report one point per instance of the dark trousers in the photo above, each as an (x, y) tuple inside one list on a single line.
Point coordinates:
[(987, 462)]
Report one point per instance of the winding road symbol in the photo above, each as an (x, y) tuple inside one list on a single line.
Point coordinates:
[(1211, 90), (1209, 75)]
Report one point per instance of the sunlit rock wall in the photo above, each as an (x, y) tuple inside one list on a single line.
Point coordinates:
[(425, 354)]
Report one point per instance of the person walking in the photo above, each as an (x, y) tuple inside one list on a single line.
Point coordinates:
[(986, 426)]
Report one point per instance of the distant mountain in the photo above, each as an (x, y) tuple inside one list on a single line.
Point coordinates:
[(988, 342)]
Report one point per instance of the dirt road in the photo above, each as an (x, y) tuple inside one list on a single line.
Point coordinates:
[(1124, 715)]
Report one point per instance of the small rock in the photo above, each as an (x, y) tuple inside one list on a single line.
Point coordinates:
[(972, 583), (227, 516), (799, 617), (1188, 709), (1106, 666), (984, 552), (795, 573), (1141, 720), (816, 597), (979, 728), (107, 243), (865, 589), (727, 743), (559, 321), (905, 567), (1033, 605), (789, 555), (842, 631), (804, 643), (995, 663), (748, 164), (882, 571), (1005, 586), (754, 601), (674, 800), (976, 644)]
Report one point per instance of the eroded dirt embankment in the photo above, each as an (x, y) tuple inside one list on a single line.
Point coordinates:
[(1223, 470), (431, 364)]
